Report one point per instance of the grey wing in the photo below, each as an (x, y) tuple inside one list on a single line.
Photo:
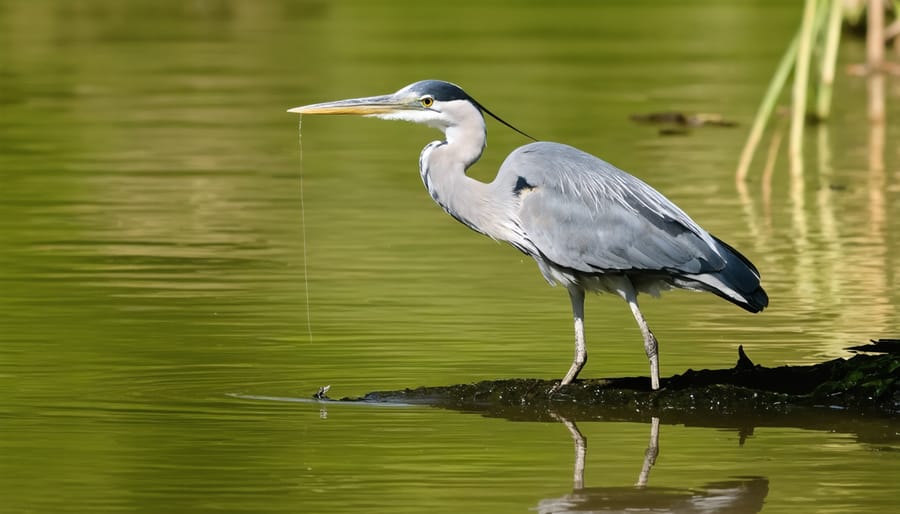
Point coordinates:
[(584, 214)]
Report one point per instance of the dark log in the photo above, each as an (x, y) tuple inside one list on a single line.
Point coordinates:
[(860, 394)]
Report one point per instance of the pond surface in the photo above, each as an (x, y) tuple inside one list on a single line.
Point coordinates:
[(157, 288)]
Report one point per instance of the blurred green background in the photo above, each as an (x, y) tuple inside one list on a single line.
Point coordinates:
[(152, 253)]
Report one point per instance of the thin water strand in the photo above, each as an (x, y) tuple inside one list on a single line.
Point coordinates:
[(303, 230)]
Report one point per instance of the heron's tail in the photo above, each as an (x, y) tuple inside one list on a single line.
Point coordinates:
[(737, 282)]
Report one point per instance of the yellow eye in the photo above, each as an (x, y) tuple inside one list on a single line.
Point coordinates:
[(426, 101)]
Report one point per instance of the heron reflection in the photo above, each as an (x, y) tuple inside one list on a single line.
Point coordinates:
[(741, 495)]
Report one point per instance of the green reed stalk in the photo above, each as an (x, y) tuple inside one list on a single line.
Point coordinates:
[(829, 60), (767, 106), (801, 82)]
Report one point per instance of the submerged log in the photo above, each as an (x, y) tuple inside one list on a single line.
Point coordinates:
[(864, 385)]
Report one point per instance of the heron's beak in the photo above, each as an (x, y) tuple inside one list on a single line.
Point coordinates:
[(368, 106)]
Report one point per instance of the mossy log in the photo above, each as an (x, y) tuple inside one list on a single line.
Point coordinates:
[(839, 390)]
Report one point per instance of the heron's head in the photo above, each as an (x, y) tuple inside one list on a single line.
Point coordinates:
[(435, 103)]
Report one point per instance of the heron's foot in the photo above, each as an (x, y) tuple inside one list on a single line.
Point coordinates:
[(557, 386), (561, 384)]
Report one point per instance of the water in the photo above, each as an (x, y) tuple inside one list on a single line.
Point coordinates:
[(152, 268)]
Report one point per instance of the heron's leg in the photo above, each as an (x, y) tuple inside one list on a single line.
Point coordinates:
[(576, 294), (580, 449), (651, 345), (650, 454)]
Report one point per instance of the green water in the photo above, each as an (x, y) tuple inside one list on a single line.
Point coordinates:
[(152, 257)]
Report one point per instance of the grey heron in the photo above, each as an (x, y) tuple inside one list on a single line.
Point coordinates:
[(589, 225)]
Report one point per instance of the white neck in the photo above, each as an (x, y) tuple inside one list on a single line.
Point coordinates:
[(443, 166)]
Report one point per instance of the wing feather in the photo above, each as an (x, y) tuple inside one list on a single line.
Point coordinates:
[(584, 214)]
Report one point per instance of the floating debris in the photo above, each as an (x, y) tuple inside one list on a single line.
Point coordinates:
[(321, 393), (678, 122)]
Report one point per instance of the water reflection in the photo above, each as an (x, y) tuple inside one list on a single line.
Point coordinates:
[(743, 495), (828, 219)]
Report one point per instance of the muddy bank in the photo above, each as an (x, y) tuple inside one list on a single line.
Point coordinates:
[(842, 390)]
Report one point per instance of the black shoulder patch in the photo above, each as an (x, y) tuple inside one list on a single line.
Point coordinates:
[(521, 184)]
